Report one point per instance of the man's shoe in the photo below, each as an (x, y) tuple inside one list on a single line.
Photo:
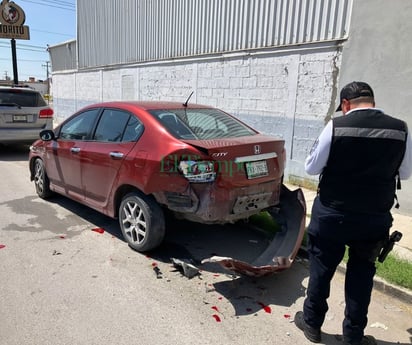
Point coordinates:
[(366, 340), (313, 334)]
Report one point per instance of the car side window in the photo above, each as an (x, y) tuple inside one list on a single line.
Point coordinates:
[(111, 125), (134, 129), (80, 126)]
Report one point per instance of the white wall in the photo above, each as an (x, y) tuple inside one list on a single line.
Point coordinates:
[(287, 94), (379, 51)]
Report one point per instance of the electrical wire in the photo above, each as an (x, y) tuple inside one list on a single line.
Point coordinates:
[(64, 5)]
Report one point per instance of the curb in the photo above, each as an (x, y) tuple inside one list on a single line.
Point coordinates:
[(402, 294)]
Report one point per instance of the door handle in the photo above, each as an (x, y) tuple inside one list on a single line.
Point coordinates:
[(75, 150), (116, 155)]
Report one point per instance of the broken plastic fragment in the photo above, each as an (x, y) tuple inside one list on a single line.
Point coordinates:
[(98, 230), (158, 272), (185, 267), (217, 318), (2, 246), (266, 308), (379, 325)]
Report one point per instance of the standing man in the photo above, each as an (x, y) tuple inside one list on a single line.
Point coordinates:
[(361, 158)]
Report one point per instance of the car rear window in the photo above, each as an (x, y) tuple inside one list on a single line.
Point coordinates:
[(201, 124), (21, 98)]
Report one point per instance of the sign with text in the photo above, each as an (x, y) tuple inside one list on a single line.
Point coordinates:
[(13, 31), (12, 18)]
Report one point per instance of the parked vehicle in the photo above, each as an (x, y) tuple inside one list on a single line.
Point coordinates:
[(134, 160), (23, 114)]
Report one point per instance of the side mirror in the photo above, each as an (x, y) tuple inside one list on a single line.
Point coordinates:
[(47, 135)]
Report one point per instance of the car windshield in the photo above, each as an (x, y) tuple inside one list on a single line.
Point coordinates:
[(21, 98), (201, 124)]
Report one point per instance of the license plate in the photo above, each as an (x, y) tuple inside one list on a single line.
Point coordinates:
[(19, 118), (256, 169)]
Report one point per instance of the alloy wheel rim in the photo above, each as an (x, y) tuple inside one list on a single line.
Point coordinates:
[(38, 176), (134, 222)]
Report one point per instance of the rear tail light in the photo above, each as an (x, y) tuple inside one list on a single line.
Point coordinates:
[(46, 113), (198, 171)]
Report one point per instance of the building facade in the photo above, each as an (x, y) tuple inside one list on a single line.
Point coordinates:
[(276, 64)]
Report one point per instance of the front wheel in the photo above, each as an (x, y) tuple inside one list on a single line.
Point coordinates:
[(41, 180), (142, 222)]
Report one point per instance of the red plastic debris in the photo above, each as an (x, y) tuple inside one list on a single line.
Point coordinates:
[(286, 316), (266, 308), (215, 308), (62, 236), (154, 264), (2, 246), (217, 318), (99, 230)]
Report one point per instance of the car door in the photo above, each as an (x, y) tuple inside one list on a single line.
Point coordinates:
[(67, 152), (116, 133)]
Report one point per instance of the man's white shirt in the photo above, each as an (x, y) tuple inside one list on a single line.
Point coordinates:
[(319, 154)]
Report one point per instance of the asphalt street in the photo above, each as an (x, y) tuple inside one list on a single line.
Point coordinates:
[(68, 277)]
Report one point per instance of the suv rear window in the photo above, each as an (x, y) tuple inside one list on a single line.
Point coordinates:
[(23, 98)]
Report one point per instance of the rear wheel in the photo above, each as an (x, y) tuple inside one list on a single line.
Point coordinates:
[(142, 222), (41, 181)]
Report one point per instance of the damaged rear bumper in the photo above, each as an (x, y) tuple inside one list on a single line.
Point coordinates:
[(281, 252)]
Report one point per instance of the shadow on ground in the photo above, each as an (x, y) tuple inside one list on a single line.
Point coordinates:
[(184, 240)]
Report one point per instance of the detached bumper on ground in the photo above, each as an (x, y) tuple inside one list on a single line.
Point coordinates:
[(281, 252)]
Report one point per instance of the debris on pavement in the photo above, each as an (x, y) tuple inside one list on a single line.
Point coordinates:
[(157, 271), (266, 308), (217, 318), (98, 230), (2, 246), (186, 267), (55, 252), (379, 325)]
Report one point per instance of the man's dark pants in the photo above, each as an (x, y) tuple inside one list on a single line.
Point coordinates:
[(329, 232)]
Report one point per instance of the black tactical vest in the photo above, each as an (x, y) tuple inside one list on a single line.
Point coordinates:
[(366, 152)]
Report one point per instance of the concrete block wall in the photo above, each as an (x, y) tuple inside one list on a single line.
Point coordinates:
[(287, 95)]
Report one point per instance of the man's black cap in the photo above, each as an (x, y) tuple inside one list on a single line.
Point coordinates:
[(354, 90)]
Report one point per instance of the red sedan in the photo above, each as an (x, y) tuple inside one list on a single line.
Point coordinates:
[(133, 160)]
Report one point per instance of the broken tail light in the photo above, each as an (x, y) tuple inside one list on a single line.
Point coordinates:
[(198, 171), (46, 113)]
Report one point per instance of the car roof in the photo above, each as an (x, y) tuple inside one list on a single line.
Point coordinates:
[(22, 88), (147, 105)]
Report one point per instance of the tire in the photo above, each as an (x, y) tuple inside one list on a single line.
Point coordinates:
[(142, 222), (41, 180)]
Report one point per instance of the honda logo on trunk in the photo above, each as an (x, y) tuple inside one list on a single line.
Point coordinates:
[(257, 149)]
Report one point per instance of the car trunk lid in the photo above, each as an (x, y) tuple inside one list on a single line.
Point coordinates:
[(243, 160)]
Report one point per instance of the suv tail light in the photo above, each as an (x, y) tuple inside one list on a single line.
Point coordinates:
[(46, 113)]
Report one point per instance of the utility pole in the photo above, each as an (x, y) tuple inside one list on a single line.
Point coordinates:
[(48, 81), (14, 58)]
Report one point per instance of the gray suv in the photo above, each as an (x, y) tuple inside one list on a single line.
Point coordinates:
[(23, 114)]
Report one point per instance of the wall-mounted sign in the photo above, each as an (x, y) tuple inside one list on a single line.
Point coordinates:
[(12, 18)]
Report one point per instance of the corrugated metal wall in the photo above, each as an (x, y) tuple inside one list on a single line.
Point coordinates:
[(63, 56), (126, 31)]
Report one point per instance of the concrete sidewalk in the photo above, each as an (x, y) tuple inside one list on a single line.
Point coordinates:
[(402, 249)]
